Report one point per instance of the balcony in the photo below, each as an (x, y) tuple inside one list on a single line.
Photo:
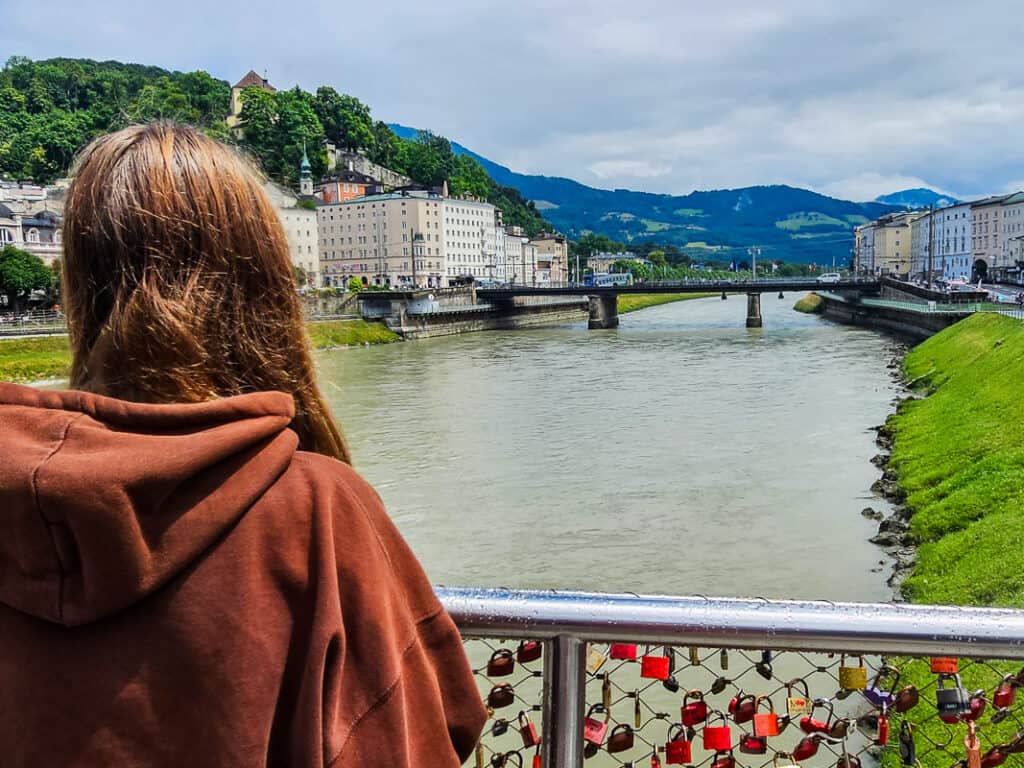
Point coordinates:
[(730, 683)]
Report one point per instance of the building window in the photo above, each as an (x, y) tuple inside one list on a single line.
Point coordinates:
[(33, 235)]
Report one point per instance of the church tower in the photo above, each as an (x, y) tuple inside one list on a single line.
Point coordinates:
[(305, 175)]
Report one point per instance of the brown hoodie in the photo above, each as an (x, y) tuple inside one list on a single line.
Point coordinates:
[(180, 586)]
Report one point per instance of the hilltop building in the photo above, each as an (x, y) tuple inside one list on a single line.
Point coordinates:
[(347, 184), (251, 80), (38, 233)]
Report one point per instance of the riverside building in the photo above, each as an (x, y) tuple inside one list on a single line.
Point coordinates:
[(1012, 236), (469, 235), (394, 239), (986, 240)]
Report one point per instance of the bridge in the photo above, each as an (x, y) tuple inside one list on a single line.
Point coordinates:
[(603, 299)]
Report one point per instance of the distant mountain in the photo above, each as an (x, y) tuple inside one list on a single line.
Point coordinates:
[(920, 197), (786, 222)]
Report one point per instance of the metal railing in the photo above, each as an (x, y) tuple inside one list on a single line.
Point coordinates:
[(819, 671)]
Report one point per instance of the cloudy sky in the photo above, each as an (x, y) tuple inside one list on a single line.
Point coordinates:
[(853, 99)]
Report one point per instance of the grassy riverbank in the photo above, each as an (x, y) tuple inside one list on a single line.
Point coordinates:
[(633, 302), (811, 304), (959, 456), (47, 357), (347, 333)]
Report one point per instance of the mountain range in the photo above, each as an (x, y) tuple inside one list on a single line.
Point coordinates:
[(786, 222), (919, 197)]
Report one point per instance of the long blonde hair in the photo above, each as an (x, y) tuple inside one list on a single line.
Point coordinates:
[(178, 285)]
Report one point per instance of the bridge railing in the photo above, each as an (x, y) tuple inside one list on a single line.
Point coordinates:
[(1003, 308), (626, 680)]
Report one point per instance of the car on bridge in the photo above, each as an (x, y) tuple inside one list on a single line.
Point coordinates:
[(830, 277)]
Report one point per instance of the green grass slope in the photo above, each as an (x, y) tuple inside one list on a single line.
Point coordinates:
[(959, 455)]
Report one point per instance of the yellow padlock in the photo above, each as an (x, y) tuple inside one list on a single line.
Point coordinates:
[(595, 660), (853, 678)]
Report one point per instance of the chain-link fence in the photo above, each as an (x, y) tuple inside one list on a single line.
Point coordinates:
[(728, 707)]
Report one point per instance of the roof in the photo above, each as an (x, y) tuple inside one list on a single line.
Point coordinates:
[(252, 79), (993, 200)]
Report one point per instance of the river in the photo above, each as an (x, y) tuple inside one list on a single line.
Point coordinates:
[(681, 453)]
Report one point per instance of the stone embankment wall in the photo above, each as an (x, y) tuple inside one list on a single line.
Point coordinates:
[(509, 318), (903, 322)]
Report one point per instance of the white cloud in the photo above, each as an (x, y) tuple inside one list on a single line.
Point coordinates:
[(869, 185), (654, 94)]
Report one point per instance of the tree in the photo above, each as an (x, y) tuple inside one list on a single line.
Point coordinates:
[(355, 284), (301, 278), (21, 273), (345, 119)]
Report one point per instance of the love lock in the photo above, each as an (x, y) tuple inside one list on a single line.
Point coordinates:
[(717, 738), (742, 707), (679, 747), (620, 739), (528, 731), (853, 678), (695, 709), (953, 703), (766, 723), (810, 725), (877, 694), (501, 663), (798, 703)]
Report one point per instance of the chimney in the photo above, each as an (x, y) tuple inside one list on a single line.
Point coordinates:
[(351, 165)]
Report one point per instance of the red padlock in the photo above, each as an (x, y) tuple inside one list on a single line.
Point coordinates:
[(806, 748), (655, 762), (753, 745), (678, 748), (766, 723), (594, 730), (943, 665), (695, 711), (528, 731), (977, 707), (622, 652), (529, 650), (502, 663), (995, 757), (724, 760), (883, 730), (717, 738), (742, 707), (808, 724), (656, 667), (1006, 694)]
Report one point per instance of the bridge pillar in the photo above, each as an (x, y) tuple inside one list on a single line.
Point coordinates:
[(753, 310), (604, 311), (724, 297)]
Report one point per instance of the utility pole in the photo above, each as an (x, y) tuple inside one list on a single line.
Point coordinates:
[(931, 229)]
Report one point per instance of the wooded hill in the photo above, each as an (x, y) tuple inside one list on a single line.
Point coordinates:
[(50, 109)]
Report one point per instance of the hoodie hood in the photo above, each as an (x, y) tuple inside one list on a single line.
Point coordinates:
[(102, 501)]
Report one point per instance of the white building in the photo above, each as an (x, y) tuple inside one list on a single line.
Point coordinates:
[(470, 235), (515, 263), (920, 232), (952, 256), (300, 229), (864, 248), (500, 256)]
